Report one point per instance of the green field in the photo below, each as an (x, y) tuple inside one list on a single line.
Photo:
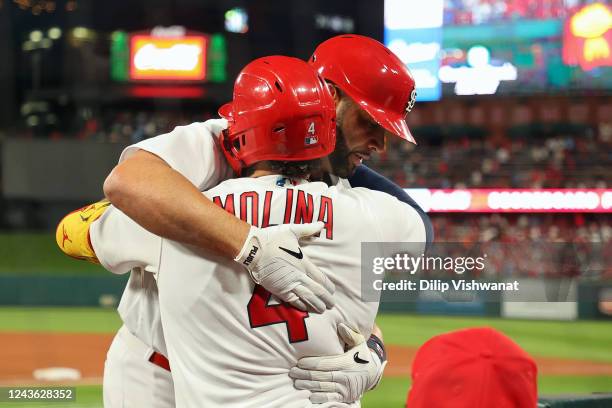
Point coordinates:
[(38, 254), (580, 340), (585, 340)]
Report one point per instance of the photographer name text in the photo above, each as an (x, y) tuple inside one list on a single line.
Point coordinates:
[(444, 286)]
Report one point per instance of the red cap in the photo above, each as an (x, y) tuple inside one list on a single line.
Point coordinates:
[(473, 368), (372, 76)]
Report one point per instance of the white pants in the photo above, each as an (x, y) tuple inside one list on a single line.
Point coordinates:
[(130, 380)]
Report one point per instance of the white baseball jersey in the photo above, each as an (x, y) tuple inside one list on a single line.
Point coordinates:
[(229, 342), (193, 151)]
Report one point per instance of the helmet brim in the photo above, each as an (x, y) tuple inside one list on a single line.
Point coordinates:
[(226, 110), (391, 121)]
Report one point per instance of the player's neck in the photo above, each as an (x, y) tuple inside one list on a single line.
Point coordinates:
[(326, 165), (263, 172)]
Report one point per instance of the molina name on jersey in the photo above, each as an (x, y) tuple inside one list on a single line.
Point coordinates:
[(302, 207)]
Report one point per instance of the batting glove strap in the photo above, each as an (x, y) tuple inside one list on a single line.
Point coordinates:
[(377, 346), (251, 253)]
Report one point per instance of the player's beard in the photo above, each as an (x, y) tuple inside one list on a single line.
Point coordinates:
[(339, 159)]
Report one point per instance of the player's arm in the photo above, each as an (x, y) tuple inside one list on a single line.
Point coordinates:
[(102, 234), (156, 187), (345, 377), (167, 204)]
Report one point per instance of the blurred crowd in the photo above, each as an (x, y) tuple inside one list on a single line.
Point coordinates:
[(514, 228), (465, 12), (468, 157), (557, 160), (534, 245), (118, 126), (129, 127)]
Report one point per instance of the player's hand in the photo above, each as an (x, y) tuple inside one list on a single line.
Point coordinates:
[(340, 378), (275, 261)]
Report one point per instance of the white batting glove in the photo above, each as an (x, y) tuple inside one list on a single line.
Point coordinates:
[(340, 378), (275, 261)]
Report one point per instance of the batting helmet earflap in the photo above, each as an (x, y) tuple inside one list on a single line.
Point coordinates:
[(372, 76), (281, 110)]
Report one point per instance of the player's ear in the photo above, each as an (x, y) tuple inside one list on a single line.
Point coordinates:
[(335, 93)]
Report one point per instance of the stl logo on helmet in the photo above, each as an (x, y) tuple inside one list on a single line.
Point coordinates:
[(412, 101), (311, 139)]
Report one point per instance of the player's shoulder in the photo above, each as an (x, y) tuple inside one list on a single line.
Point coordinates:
[(368, 203), (397, 220), (209, 127), (366, 195)]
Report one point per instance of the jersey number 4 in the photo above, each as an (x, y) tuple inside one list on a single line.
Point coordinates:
[(261, 314)]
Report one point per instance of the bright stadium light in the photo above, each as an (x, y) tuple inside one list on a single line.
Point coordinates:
[(81, 33), (36, 36), (237, 20), (54, 33)]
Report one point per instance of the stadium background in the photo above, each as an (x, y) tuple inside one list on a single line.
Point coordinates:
[(71, 98)]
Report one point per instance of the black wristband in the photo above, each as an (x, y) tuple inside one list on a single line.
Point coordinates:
[(376, 345)]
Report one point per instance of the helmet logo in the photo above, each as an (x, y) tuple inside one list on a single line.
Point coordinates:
[(412, 101), (311, 139)]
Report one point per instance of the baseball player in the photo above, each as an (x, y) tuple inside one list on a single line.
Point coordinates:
[(150, 169), (229, 342), (137, 372)]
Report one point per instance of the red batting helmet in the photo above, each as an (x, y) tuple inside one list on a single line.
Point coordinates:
[(372, 76), (281, 110)]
